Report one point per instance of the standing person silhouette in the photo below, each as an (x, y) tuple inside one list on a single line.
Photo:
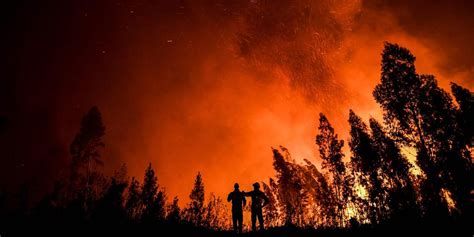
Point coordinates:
[(259, 200), (238, 201)]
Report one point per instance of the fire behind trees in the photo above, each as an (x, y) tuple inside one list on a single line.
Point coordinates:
[(374, 188)]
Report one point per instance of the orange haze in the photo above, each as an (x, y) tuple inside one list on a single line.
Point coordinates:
[(211, 86), (231, 107)]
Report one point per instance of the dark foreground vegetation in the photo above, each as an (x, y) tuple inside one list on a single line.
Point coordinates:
[(411, 173)]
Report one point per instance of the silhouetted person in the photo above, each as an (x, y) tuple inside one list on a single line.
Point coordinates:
[(259, 200), (238, 201)]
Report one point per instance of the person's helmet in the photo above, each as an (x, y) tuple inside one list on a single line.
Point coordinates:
[(236, 185), (256, 185)]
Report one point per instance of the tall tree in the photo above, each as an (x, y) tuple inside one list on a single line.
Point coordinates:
[(349, 191), (153, 199), (149, 187), (465, 113), (85, 151), (291, 194), (323, 204), (449, 152), (158, 208), (133, 202), (367, 164), (398, 93), (302, 201), (195, 209), (330, 151), (395, 171), (284, 186), (465, 118), (421, 114)]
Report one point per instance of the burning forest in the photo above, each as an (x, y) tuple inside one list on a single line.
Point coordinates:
[(253, 117)]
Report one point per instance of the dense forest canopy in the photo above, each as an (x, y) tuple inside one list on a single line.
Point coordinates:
[(372, 186)]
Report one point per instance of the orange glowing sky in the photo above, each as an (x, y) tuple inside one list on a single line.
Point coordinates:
[(210, 86)]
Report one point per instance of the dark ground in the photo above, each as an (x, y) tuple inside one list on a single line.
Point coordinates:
[(182, 230)]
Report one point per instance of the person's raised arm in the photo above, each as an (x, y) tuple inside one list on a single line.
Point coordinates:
[(229, 197)]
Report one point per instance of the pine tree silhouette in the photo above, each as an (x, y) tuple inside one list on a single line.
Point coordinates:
[(174, 212), (195, 210), (85, 152), (153, 199), (133, 202)]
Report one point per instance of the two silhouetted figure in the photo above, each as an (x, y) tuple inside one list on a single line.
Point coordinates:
[(259, 200)]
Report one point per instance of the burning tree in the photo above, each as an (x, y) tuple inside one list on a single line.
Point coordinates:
[(330, 151), (422, 115)]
